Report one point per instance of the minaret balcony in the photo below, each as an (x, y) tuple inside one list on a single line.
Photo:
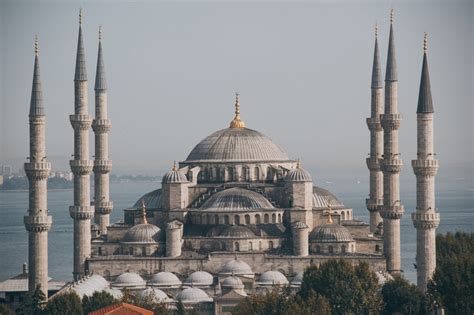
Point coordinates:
[(374, 204), (102, 166), (390, 121), (101, 125), (392, 165), (392, 212), (374, 124), (104, 207), (373, 163), (41, 223), (81, 212), (81, 167), (425, 167), (37, 171), (80, 122), (37, 119), (425, 221)]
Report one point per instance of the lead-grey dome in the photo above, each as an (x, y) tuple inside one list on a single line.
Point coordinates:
[(174, 177), (165, 279), (232, 282), (237, 145), (239, 199), (129, 280), (272, 277), (237, 231), (330, 233), (298, 175), (156, 295), (152, 200), (199, 278), (142, 234), (236, 267), (193, 295), (321, 198)]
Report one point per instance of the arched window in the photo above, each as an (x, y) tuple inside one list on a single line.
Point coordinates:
[(279, 217), (260, 245), (256, 173), (343, 215), (247, 219), (250, 246), (236, 220), (216, 219), (208, 219), (130, 250), (236, 246), (274, 218), (245, 173), (318, 249), (330, 249), (343, 248), (226, 219), (270, 245), (144, 251), (377, 248), (353, 248), (265, 218), (257, 219), (100, 251), (230, 174)]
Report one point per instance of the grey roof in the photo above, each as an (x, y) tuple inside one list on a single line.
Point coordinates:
[(174, 177), (100, 81), (80, 73), (89, 285), (199, 278), (129, 280), (156, 295), (376, 69), (235, 231), (299, 225), (272, 277), (236, 267), (321, 198), (36, 103), (232, 282), (143, 234), (152, 200), (236, 199), (329, 233), (298, 175), (19, 283), (237, 145), (425, 103), (193, 295), (391, 71), (165, 279)]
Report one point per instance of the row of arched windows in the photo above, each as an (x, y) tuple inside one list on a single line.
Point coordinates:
[(237, 219)]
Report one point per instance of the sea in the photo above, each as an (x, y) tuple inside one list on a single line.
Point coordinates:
[(455, 204)]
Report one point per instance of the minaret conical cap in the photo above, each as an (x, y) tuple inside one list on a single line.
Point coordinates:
[(391, 71), (36, 103), (376, 70), (80, 73), (100, 81), (425, 103)]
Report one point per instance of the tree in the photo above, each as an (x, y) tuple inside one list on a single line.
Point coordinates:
[(97, 301), (33, 302), (64, 304), (452, 285), (400, 296), (6, 310)]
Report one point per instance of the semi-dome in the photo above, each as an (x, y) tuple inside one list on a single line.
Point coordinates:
[(199, 278), (165, 279), (129, 280), (157, 295), (142, 234), (232, 282), (330, 233), (236, 199), (272, 277), (193, 295), (151, 200), (236, 267), (237, 145), (297, 280), (237, 231), (298, 175), (322, 197)]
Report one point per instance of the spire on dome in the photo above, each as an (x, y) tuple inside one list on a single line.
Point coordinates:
[(391, 71), (425, 103), (175, 168), (81, 73), (237, 122), (376, 71), (36, 103), (144, 220), (329, 214), (100, 81)]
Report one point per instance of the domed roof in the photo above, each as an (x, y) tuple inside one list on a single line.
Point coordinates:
[(89, 285), (174, 177), (165, 279), (236, 199), (330, 233), (298, 175), (199, 278), (272, 277), (236, 267), (193, 295), (232, 282), (321, 198), (298, 279), (152, 200), (237, 231), (116, 293), (237, 145), (142, 234), (156, 294), (299, 225), (130, 280)]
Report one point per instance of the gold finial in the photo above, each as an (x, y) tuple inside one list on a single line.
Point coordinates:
[(100, 33), (425, 42), (175, 168), (144, 220), (36, 46), (298, 163), (237, 122), (392, 16), (329, 214), (80, 16), (376, 29)]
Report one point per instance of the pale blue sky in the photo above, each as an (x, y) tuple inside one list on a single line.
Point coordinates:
[(302, 69)]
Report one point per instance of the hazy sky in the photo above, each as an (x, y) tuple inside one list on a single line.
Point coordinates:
[(302, 68)]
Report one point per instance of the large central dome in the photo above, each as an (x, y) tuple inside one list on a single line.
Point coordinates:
[(237, 145)]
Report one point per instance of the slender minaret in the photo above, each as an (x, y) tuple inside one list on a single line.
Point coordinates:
[(82, 212), (38, 221), (425, 218), (375, 200), (102, 165), (392, 209)]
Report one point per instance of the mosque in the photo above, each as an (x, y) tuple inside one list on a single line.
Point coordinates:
[(238, 216)]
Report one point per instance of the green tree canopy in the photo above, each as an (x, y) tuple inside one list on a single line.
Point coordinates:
[(400, 296), (97, 301), (64, 304), (33, 303)]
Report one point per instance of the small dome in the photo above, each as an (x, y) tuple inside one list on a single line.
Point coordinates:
[(236, 267), (330, 233), (142, 234), (193, 295), (272, 278), (297, 280), (298, 175), (157, 295), (232, 282), (321, 198), (151, 200), (165, 279), (116, 293), (299, 225), (129, 280), (237, 231), (174, 177), (236, 199), (199, 278)]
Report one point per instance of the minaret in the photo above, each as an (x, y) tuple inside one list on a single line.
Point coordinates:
[(392, 209), (102, 165), (375, 200), (425, 218), (82, 212), (38, 221)]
